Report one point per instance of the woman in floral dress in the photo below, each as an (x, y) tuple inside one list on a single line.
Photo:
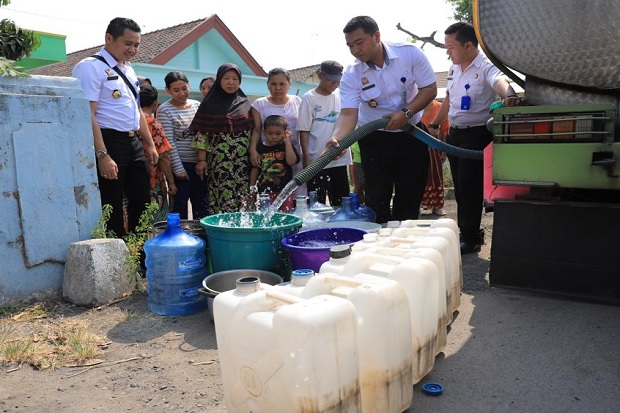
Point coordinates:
[(223, 126)]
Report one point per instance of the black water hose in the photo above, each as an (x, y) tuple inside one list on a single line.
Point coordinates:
[(332, 153)]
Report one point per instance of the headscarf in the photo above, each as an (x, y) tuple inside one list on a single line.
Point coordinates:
[(222, 112)]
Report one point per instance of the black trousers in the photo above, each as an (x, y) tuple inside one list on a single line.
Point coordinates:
[(394, 163), (467, 176), (133, 181), (333, 182)]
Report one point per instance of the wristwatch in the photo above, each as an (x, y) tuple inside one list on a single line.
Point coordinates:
[(101, 154), (409, 114)]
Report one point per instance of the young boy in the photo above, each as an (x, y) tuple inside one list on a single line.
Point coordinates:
[(278, 157), (162, 178)]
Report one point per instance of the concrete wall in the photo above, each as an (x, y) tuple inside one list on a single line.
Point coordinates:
[(48, 183)]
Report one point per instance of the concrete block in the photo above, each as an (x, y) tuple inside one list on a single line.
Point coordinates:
[(96, 271)]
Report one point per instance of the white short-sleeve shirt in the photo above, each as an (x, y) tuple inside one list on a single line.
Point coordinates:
[(391, 87), (117, 108), (289, 111), (317, 116), (480, 76)]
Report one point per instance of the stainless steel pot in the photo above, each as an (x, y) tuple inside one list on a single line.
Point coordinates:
[(221, 281)]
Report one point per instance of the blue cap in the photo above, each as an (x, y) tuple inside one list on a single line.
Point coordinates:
[(432, 389)]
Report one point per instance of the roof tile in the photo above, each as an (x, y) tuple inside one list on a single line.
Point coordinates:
[(152, 44)]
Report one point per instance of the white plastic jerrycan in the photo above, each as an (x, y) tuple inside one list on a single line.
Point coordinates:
[(433, 255), (420, 278), (438, 228), (444, 240), (383, 337), (282, 353), (432, 223)]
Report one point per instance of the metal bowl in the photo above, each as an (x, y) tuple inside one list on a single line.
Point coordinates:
[(221, 281)]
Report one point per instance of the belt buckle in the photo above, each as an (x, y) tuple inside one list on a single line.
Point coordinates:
[(131, 134)]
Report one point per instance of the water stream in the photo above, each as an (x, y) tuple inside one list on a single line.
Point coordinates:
[(255, 211), (285, 193)]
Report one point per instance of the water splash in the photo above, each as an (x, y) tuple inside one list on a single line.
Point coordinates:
[(285, 193), (255, 210)]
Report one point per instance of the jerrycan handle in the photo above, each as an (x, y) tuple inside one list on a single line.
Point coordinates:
[(263, 300), (384, 258), (284, 297), (401, 240), (330, 283), (340, 279)]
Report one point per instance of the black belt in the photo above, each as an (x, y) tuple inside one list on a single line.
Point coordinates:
[(130, 134), (466, 126)]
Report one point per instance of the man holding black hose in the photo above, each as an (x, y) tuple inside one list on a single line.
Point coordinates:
[(473, 83), (395, 81)]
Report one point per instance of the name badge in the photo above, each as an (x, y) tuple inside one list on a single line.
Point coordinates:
[(112, 78), (368, 87), (465, 102)]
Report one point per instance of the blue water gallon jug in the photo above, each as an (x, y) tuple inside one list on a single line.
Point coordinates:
[(346, 212), (176, 265), (315, 206), (363, 210)]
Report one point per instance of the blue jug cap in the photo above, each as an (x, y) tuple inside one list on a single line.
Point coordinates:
[(432, 389), (173, 218), (303, 273)]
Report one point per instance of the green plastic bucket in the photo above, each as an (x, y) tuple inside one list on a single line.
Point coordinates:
[(241, 240)]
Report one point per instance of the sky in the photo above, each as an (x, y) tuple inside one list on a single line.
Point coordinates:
[(289, 34)]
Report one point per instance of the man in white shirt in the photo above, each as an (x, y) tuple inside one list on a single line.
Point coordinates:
[(111, 85), (395, 81), (473, 84)]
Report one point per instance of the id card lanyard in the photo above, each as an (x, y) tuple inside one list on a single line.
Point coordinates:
[(466, 99)]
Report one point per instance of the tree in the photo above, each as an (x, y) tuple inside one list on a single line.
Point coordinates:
[(15, 44), (463, 11)]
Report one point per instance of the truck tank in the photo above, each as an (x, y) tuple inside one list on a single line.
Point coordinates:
[(564, 144)]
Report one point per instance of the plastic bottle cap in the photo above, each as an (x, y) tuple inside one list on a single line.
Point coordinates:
[(340, 251), (495, 105), (302, 273), (173, 218), (393, 224), (385, 232), (301, 277), (372, 237), (432, 389)]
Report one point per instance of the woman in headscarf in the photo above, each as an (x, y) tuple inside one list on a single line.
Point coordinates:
[(224, 126)]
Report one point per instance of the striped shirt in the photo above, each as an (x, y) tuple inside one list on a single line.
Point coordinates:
[(175, 122)]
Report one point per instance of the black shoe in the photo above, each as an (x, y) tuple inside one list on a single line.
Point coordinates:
[(469, 248)]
